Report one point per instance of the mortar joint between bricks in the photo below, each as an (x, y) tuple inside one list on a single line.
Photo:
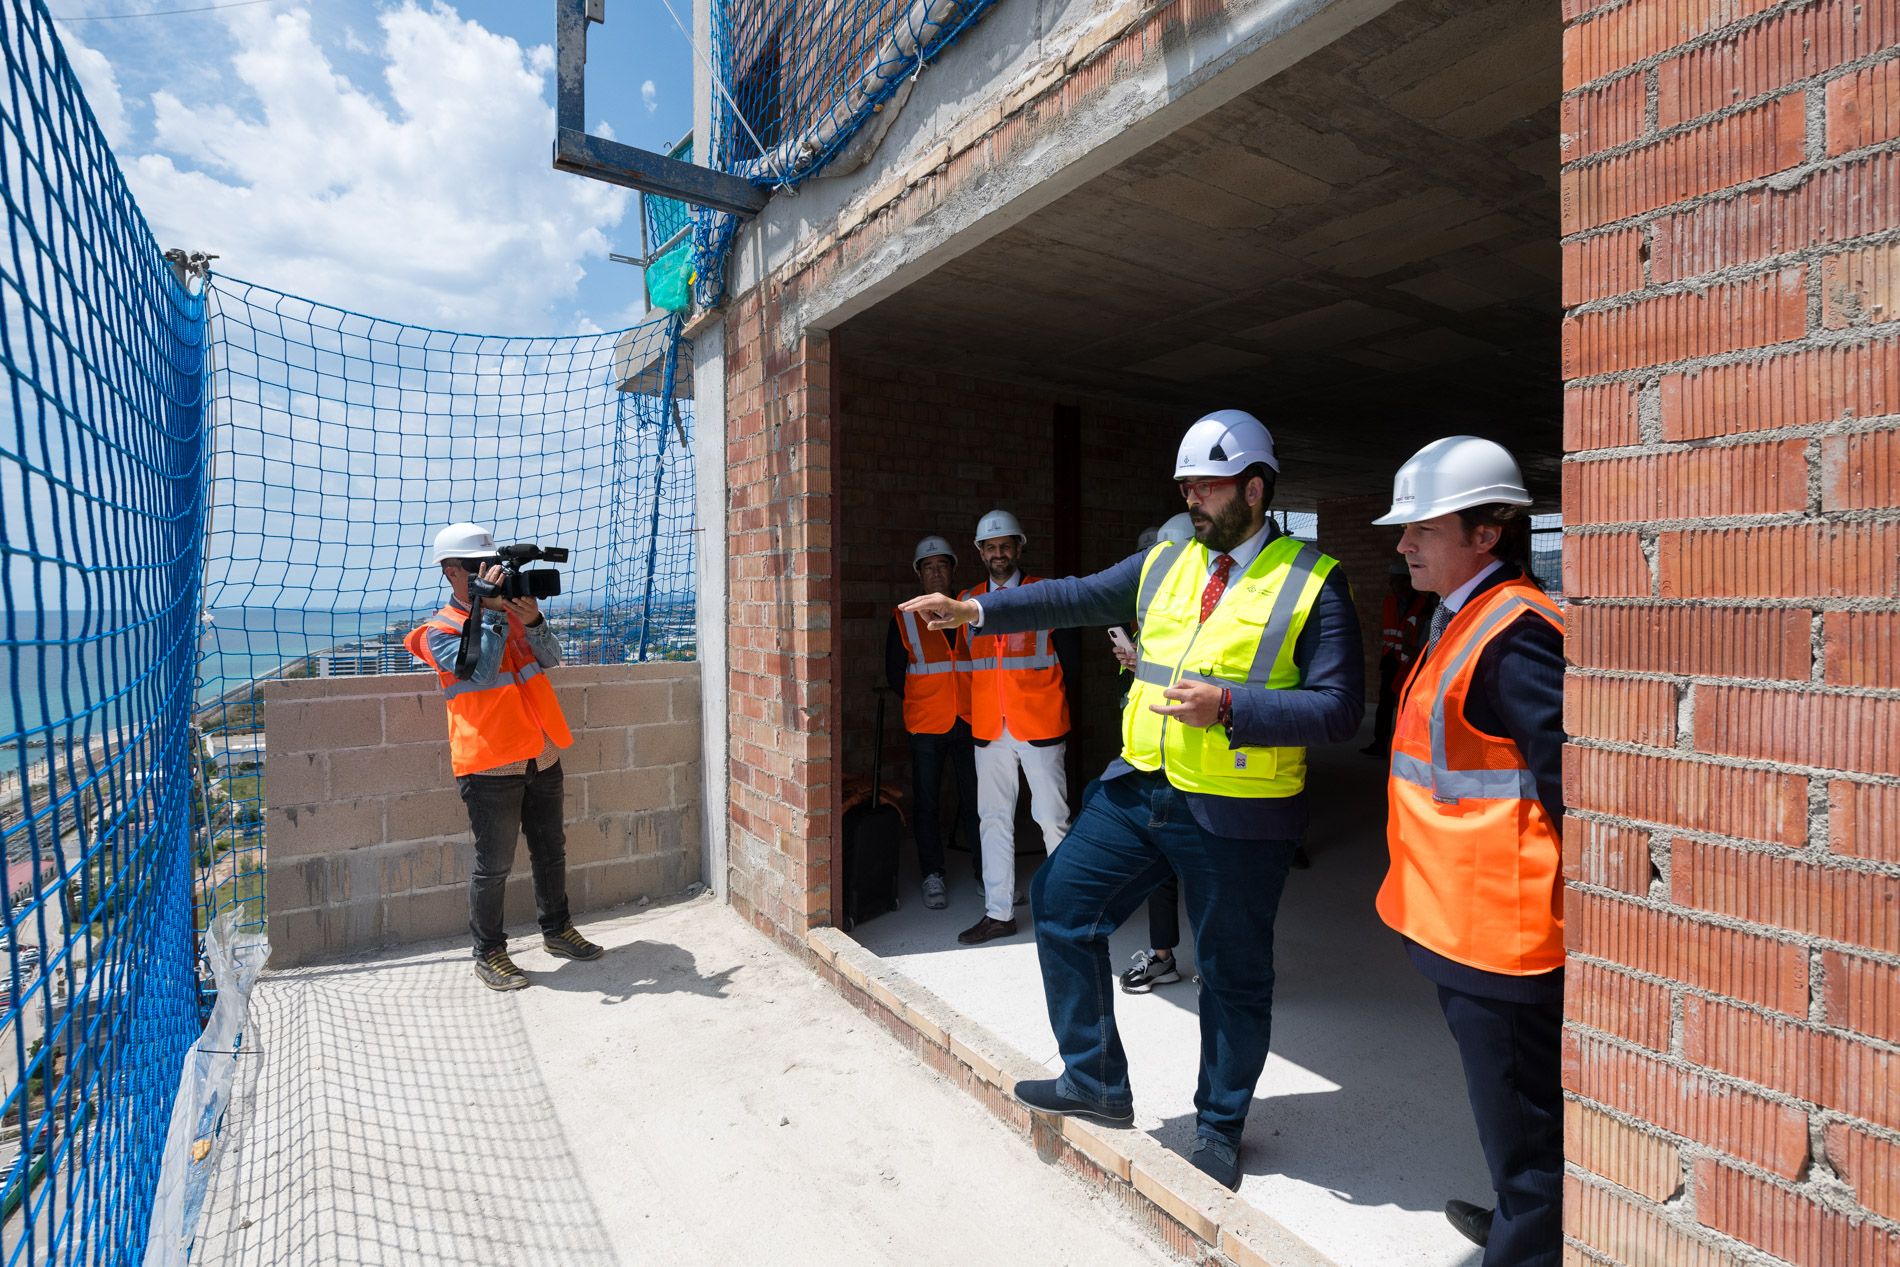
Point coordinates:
[(1720, 34)]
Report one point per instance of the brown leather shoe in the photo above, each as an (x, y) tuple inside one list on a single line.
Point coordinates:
[(987, 929)]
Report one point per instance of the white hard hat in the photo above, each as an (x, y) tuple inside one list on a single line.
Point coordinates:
[(464, 541), (929, 547), (1147, 538), (1225, 442), (1453, 474), (1179, 528), (999, 523)]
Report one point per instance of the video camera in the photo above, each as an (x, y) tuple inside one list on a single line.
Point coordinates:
[(517, 583)]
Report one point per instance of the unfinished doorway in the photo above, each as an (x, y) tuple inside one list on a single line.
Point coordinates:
[(1362, 250)]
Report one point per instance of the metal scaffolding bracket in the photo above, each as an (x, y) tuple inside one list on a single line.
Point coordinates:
[(597, 157)]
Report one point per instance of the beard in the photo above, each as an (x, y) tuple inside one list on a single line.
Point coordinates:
[(1001, 571), (1223, 531)]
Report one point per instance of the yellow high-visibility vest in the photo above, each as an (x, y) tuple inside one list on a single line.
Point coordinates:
[(1248, 640)]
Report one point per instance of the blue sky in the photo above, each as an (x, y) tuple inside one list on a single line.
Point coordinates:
[(389, 156)]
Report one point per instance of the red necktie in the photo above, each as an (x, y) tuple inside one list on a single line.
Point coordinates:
[(1216, 585)]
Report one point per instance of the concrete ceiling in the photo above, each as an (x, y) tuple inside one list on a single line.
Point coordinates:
[(1362, 249)]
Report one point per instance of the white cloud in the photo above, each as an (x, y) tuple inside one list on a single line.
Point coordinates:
[(440, 208), (101, 86), (650, 95)]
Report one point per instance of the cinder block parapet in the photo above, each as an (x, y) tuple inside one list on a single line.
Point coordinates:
[(367, 838)]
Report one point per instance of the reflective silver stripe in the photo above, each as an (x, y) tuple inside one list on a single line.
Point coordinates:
[(1157, 573), (1452, 786), (1472, 642), (1410, 769), (466, 687), (1286, 605), (920, 667), (1013, 662), (502, 678), (1154, 673)]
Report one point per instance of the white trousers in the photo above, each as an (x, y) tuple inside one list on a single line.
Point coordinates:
[(996, 785)]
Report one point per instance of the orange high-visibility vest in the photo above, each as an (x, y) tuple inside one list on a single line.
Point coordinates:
[(1476, 859), (1016, 682), (511, 719), (936, 679)]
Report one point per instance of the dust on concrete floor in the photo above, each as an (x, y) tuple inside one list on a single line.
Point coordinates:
[(695, 1096)]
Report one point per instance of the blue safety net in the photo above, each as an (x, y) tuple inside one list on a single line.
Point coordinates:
[(102, 355), (205, 484), (802, 82), (341, 443), (796, 88)]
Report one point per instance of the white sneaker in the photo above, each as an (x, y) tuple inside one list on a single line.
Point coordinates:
[(934, 896)]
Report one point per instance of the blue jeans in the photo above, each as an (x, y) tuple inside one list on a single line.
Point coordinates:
[(1134, 831), (927, 755)]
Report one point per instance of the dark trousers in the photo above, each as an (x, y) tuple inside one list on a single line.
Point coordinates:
[(1164, 915), (1390, 671), (1511, 1056), (1134, 831), (928, 753), (501, 809)]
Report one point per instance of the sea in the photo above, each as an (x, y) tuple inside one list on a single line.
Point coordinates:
[(68, 666)]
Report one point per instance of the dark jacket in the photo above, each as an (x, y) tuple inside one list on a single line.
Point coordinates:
[(1325, 707)]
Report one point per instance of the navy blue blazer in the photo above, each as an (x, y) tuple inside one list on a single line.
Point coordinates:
[(1325, 707)]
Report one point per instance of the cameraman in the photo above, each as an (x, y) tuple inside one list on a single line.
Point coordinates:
[(505, 734)]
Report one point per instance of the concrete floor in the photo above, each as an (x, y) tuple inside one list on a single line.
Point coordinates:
[(1360, 1129), (696, 1096)]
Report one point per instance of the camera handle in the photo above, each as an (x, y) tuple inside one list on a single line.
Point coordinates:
[(470, 650)]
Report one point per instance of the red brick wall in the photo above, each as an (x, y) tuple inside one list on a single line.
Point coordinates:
[(781, 598), (1733, 1037)]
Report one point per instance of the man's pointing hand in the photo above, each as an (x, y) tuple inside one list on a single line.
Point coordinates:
[(942, 612)]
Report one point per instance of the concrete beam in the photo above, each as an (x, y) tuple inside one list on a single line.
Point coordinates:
[(1214, 63)]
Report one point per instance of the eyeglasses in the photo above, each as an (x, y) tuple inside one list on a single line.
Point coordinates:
[(1199, 489)]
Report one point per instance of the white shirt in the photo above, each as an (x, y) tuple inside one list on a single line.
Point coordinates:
[(1456, 599)]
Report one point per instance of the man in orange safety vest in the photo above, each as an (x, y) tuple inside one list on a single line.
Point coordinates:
[(506, 732)]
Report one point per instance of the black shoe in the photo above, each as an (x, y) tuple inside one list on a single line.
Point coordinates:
[(569, 944), (1300, 861), (1150, 970), (1042, 1096), (1472, 1221), (987, 929), (498, 972), (1218, 1160), (1374, 750)]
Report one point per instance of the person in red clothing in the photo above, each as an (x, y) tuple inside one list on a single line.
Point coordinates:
[(930, 669), (1401, 625)]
